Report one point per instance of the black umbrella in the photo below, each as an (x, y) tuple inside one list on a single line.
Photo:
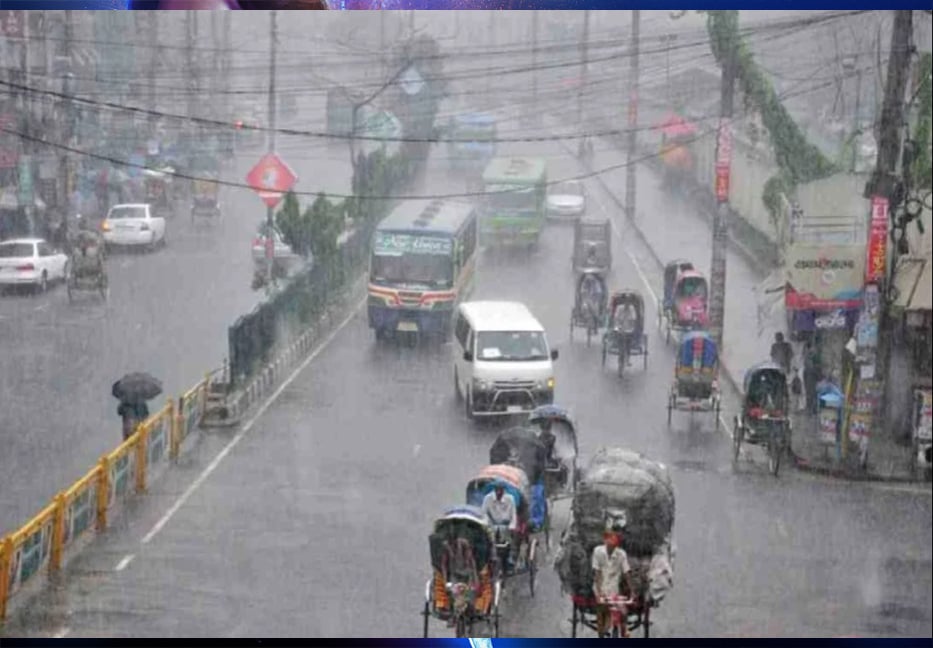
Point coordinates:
[(136, 388)]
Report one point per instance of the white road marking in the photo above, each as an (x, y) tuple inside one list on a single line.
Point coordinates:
[(212, 466), (124, 562)]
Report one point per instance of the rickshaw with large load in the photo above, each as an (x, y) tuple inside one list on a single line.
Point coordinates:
[(532, 518), (558, 432), (466, 584), (589, 308), (86, 270), (619, 489), (592, 246), (625, 333), (764, 419), (677, 134), (696, 377)]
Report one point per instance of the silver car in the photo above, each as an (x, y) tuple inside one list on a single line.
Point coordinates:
[(566, 201)]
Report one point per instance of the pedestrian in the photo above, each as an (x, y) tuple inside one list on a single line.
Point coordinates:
[(811, 375), (782, 353), (133, 414)]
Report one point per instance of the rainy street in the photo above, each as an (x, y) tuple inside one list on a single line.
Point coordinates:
[(311, 518)]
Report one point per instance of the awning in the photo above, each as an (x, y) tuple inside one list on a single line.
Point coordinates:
[(922, 299), (906, 275)]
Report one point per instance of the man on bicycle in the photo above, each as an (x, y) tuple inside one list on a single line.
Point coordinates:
[(610, 570), (499, 508)]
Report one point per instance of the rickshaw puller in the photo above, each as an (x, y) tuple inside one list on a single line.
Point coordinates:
[(500, 508), (610, 571)]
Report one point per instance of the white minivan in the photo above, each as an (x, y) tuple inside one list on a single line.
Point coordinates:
[(502, 362)]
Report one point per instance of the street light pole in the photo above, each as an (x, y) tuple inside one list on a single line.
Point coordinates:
[(270, 211), (584, 56)]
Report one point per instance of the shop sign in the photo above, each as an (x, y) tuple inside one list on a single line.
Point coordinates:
[(924, 425), (833, 320), (824, 277), (876, 262)]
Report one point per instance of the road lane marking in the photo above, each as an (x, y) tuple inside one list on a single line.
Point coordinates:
[(124, 562), (212, 466)]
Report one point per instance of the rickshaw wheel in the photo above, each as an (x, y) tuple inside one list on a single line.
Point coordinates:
[(620, 367), (589, 335), (70, 290), (461, 627), (736, 440), (645, 353), (667, 338), (774, 455), (670, 408), (495, 622), (573, 622), (646, 622), (427, 617)]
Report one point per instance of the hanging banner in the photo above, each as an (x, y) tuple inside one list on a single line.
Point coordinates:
[(876, 262)]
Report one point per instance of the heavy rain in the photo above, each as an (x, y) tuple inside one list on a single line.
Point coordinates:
[(285, 297)]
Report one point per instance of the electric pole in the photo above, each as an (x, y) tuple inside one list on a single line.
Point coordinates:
[(584, 63), (69, 116), (630, 170), (534, 62), (192, 73), (717, 297), (492, 37), (270, 212), (153, 66)]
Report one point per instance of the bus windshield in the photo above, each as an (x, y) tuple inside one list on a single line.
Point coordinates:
[(400, 258), (510, 197)]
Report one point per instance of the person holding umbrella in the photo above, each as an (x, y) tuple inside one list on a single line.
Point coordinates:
[(133, 390)]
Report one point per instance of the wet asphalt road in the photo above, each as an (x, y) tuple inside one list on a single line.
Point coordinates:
[(167, 314), (316, 522)]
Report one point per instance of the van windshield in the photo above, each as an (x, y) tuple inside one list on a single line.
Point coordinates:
[(511, 346)]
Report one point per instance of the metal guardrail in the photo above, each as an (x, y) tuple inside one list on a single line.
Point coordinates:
[(43, 543)]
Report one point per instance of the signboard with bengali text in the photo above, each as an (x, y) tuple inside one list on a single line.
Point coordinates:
[(389, 243), (824, 277), (876, 263)]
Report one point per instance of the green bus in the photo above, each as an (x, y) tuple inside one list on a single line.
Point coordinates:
[(515, 201)]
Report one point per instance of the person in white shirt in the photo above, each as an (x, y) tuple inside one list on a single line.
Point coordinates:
[(502, 514), (610, 570)]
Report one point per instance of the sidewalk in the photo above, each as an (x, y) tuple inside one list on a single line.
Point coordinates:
[(674, 229)]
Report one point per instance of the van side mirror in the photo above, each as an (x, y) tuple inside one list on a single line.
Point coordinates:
[(554, 354), (468, 356)]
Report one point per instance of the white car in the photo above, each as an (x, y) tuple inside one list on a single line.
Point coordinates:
[(566, 201), (283, 255), (133, 225), (31, 262)]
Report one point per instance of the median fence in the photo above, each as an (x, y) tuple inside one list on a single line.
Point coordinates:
[(255, 338), (41, 546)]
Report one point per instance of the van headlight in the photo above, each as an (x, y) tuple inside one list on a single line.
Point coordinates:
[(481, 385), (545, 384)]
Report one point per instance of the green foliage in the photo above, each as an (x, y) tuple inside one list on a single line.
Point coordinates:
[(314, 231), (799, 160), (922, 169)]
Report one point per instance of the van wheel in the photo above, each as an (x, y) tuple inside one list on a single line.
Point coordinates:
[(457, 395), (468, 405)]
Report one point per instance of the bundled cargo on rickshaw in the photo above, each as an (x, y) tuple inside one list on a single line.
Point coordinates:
[(620, 488)]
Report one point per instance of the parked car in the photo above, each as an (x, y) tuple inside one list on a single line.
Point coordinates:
[(133, 225), (31, 262), (287, 259), (566, 201)]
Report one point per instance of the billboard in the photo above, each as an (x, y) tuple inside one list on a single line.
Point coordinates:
[(824, 277)]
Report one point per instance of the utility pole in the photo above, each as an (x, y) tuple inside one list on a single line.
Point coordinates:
[(270, 212), (67, 175), (534, 62), (584, 62), (885, 189), (717, 299), (192, 73), (630, 170), (154, 55), (492, 38), (25, 167)]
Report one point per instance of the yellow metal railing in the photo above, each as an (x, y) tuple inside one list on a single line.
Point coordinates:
[(44, 540)]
